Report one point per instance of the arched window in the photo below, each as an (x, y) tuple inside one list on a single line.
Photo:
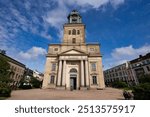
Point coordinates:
[(78, 32), (69, 32), (94, 79), (73, 70), (73, 40), (52, 79), (73, 32)]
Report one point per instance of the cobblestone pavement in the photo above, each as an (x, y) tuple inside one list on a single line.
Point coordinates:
[(51, 94)]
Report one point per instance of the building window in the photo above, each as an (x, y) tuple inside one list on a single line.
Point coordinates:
[(52, 79), (93, 66), (73, 40), (148, 69), (73, 32), (78, 32), (53, 66), (69, 32), (94, 79), (91, 49), (55, 49)]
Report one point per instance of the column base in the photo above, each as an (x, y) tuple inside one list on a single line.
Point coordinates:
[(61, 88), (100, 88), (84, 88)]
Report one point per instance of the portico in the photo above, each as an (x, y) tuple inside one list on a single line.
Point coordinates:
[(81, 76)]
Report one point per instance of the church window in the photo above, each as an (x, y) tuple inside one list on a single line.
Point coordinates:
[(69, 32), (91, 49), (52, 79), (73, 32), (93, 66), (53, 66), (78, 32), (55, 49), (73, 40), (94, 79)]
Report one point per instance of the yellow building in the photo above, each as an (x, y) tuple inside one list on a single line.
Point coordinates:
[(74, 64), (17, 69)]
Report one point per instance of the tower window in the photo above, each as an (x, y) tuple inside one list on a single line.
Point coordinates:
[(78, 32), (55, 49), (69, 32), (74, 20), (74, 40), (73, 32)]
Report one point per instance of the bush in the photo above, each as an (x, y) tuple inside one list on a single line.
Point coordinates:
[(145, 78), (142, 92), (5, 92), (35, 83), (119, 84)]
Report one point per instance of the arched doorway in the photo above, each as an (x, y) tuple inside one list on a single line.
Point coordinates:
[(73, 79)]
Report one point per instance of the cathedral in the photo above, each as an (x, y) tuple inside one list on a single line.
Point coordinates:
[(74, 64)]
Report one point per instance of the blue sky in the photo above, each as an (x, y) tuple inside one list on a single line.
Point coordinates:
[(122, 27)]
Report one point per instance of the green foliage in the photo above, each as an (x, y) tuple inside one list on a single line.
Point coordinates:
[(5, 92), (142, 91), (25, 86), (145, 78), (35, 83), (5, 80), (119, 84), (4, 70), (28, 83)]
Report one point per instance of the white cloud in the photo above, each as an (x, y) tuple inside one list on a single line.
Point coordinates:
[(58, 16), (129, 51), (124, 54), (116, 3), (94, 3), (32, 53)]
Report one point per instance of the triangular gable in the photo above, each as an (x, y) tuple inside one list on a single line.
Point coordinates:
[(73, 51)]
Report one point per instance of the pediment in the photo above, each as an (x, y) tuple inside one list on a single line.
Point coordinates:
[(73, 52)]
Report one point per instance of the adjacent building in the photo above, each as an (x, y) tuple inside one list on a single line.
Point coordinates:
[(74, 64), (38, 75), (141, 65), (128, 72), (16, 67)]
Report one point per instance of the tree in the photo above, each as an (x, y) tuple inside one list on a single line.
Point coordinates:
[(35, 83), (5, 80), (119, 84), (145, 78), (142, 91)]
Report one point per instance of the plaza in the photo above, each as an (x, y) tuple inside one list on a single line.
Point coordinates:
[(52, 94)]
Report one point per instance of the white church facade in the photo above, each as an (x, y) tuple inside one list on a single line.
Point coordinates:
[(74, 64)]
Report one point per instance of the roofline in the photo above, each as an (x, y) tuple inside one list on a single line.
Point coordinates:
[(90, 43), (13, 60)]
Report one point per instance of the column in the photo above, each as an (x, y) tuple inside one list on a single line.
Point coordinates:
[(87, 73), (59, 73), (64, 73), (82, 74)]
